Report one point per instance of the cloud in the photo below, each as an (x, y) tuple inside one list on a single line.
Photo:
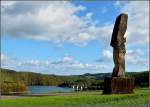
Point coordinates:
[(66, 60), (65, 66), (137, 32), (138, 26), (136, 57), (8, 62), (133, 57), (117, 4), (107, 54), (7, 3), (58, 22), (3, 57), (47, 21), (136, 52)]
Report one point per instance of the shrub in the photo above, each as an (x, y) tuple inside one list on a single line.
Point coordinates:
[(7, 87)]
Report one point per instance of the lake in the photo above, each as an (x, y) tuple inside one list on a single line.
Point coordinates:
[(47, 89)]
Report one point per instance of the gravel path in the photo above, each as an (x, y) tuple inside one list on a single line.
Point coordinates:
[(42, 95), (11, 97)]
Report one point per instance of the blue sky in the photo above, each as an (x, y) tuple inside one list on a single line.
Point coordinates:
[(69, 38)]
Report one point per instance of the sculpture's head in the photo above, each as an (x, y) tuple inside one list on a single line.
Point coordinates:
[(119, 30)]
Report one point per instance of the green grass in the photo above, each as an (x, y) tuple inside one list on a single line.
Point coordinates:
[(139, 97)]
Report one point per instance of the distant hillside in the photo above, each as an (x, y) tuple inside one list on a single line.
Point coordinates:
[(103, 75), (30, 78)]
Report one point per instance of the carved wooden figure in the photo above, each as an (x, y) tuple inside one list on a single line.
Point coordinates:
[(118, 43), (118, 83)]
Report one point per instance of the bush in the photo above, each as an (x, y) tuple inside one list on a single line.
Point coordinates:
[(7, 87)]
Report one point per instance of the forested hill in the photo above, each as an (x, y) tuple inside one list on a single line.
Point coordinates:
[(30, 78)]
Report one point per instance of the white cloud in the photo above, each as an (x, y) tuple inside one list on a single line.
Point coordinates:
[(117, 4), (58, 22), (3, 57), (133, 57), (138, 26), (8, 62), (89, 15), (136, 57), (48, 21), (107, 54), (7, 3), (52, 21), (136, 52), (66, 66)]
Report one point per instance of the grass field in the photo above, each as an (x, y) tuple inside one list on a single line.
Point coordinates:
[(139, 97)]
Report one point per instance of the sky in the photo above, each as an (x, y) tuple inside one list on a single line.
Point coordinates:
[(71, 38)]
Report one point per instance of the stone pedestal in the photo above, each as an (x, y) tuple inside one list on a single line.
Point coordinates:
[(118, 85)]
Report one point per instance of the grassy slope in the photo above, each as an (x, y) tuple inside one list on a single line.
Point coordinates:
[(82, 99)]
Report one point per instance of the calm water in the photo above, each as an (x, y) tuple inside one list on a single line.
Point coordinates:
[(47, 89)]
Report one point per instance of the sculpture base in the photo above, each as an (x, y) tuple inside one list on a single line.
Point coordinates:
[(118, 85)]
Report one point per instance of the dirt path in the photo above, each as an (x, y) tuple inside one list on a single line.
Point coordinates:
[(42, 95), (10, 97)]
